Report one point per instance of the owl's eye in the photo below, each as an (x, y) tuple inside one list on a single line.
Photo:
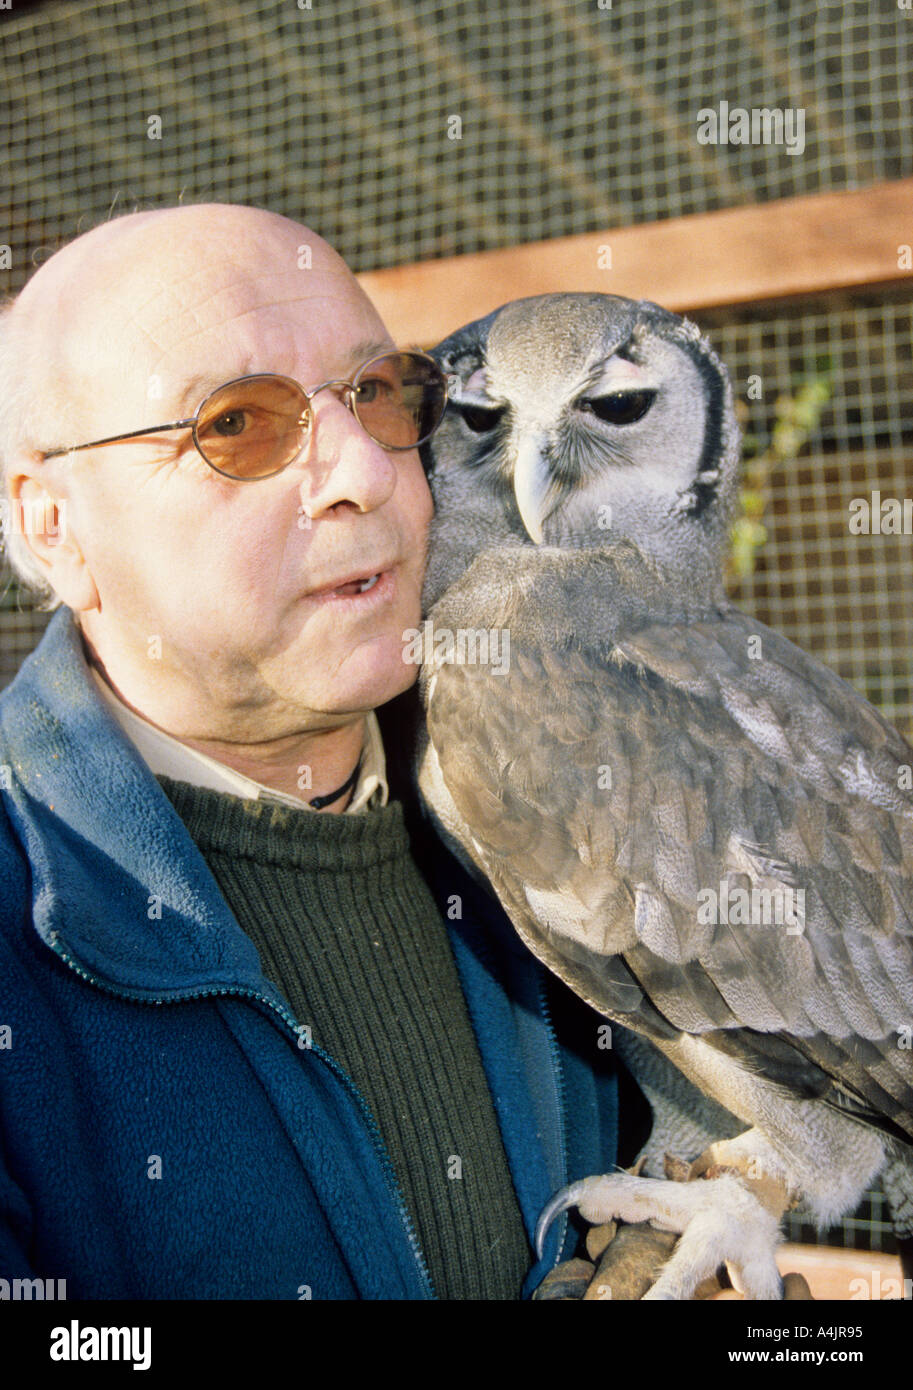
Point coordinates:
[(481, 419), (621, 407)]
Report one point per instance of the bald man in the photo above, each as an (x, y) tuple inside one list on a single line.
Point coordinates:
[(260, 1037)]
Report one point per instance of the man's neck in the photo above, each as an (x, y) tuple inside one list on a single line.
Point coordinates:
[(309, 765)]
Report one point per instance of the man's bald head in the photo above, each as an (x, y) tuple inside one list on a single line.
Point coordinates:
[(106, 296), (183, 234)]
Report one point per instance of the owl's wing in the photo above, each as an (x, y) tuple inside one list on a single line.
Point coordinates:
[(624, 803)]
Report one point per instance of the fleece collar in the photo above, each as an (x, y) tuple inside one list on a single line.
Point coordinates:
[(100, 831)]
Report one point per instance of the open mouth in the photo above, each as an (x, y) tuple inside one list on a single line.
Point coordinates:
[(357, 586), (368, 587)]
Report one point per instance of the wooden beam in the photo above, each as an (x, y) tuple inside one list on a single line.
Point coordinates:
[(835, 1273), (764, 251)]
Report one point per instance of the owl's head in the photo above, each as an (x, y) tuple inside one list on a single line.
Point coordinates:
[(576, 419)]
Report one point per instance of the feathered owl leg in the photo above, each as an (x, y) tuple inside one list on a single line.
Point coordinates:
[(733, 1218)]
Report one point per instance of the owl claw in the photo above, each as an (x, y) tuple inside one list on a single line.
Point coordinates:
[(567, 1197), (719, 1221)]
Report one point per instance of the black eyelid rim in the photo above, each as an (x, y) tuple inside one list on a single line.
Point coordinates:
[(621, 392), (650, 392), (466, 403), (492, 414)]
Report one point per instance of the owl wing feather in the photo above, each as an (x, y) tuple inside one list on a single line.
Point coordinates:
[(604, 788)]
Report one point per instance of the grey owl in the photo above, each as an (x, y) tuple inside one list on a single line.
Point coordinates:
[(700, 829)]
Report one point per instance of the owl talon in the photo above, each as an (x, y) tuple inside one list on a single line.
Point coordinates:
[(719, 1222), (566, 1197)]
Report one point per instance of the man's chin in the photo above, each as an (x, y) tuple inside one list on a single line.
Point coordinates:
[(368, 679)]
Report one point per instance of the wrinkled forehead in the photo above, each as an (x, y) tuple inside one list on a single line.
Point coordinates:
[(226, 308), (167, 295)]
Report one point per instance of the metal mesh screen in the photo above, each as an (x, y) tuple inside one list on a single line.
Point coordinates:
[(846, 598), (574, 115)]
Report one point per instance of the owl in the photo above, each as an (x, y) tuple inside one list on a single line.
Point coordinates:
[(700, 829)]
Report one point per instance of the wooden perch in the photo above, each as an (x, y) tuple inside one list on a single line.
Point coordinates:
[(793, 246)]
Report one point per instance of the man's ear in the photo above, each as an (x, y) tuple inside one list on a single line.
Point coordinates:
[(39, 515)]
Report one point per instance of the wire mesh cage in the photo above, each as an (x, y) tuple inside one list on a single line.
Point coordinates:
[(843, 593), (573, 115)]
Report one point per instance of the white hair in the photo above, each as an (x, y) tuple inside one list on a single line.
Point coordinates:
[(20, 408)]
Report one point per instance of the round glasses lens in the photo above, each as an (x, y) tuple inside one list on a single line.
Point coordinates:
[(252, 427), (400, 398)]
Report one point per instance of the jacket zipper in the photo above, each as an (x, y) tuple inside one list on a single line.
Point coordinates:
[(484, 954), (559, 1091), (288, 1019)]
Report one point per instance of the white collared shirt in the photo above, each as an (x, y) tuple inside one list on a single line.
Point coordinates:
[(169, 757)]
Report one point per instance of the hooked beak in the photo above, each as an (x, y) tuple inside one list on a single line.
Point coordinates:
[(532, 485)]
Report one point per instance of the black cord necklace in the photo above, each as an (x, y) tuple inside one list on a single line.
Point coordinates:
[(318, 802)]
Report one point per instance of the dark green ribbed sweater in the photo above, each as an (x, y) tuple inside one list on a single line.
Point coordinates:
[(347, 929)]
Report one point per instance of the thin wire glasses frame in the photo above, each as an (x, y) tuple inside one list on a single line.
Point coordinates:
[(290, 410)]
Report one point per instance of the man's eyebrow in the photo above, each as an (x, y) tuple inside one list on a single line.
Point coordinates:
[(198, 387), (195, 392), (370, 347)]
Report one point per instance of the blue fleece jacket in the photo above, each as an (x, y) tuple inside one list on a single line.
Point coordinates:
[(162, 1132)]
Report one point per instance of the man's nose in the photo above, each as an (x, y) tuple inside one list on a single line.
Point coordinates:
[(342, 464)]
